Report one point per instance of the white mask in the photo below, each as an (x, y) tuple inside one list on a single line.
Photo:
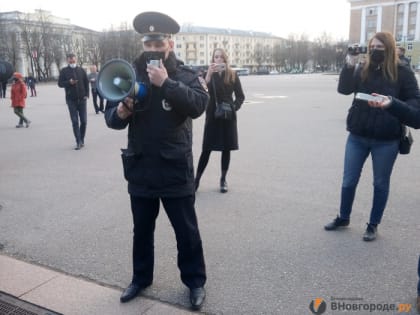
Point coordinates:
[(72, 65)]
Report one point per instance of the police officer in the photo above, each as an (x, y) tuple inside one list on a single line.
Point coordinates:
[(158, 161)]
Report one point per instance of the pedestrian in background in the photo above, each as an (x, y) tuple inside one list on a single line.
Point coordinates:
[(31, 84), (92, 76), (76, 85), (3, 89), (372, 131), (158, 161), (220, 134), (18, 94), (403, 59)]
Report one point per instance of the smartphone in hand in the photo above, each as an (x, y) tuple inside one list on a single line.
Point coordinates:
[(368, 97)]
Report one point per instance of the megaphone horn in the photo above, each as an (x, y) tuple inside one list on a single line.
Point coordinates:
[(117, 80)]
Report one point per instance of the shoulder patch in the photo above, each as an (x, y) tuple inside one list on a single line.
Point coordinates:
[(203, 83)]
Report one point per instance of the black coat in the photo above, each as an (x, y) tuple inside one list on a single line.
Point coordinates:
[(78, 91), (221, 135), (158, 161), (366, 121)]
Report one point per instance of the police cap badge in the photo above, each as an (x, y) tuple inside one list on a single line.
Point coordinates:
[(155, 26)]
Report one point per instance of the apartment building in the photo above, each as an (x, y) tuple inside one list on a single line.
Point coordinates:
[(400, 17), (195, 45)]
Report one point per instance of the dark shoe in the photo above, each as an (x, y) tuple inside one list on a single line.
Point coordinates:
[(197, 297), (370, 234), (338, 222), (28, 123), (131, 292), (223, 186), (78, 146), (19, 126)]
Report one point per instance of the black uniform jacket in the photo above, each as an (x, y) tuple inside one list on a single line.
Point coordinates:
[(406, 113), (158, 161), (220, 134), (375, 123), (78, 91)]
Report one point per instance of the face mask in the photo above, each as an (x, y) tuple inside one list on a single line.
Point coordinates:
[(72, 65), (377, 56), (154, 55)]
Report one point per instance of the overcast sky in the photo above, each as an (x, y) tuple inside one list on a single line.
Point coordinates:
[(291, 16)]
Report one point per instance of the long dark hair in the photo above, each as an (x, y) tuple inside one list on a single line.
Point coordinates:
[(390, 65)]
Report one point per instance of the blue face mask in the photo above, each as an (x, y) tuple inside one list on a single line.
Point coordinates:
[(72, 65)]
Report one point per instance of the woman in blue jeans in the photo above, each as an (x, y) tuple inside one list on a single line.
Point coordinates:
[(372, 131)]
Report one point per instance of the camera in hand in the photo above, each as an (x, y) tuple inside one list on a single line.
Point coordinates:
[(356, 50)]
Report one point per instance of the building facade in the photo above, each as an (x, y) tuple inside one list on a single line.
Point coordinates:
[(400, 17), (195, 46)]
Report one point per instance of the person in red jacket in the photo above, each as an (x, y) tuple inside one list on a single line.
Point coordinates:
[(18, 96)]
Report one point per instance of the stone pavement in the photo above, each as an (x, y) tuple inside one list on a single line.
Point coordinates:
[(70, 295)]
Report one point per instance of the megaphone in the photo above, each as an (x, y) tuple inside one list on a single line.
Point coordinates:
[(117, 80), (6, 70)]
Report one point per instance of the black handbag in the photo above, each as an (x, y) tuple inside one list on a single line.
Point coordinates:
[(406, 141), (223, 110)]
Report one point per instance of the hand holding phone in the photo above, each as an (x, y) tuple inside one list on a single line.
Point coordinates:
[(368, 97), (220, 67), (155, 63)]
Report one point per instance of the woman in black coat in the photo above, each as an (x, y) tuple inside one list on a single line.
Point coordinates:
[(220, 134), (372, 131)]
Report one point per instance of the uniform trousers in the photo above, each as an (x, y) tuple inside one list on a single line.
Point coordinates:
[(181, 214)]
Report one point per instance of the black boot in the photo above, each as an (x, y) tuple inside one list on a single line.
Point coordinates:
[(223, 183)]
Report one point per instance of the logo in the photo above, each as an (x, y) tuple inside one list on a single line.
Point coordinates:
[(166, 106), (318, 306)]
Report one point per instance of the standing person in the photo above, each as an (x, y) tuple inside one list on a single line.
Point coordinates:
[(220, 135), (76, 85), (18, 96), (158, 161), (403, 59), (3, 89), (371, 130), (93, 75), (31, 84)]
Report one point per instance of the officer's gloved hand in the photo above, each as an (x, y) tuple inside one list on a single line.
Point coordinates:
[(352, 60)]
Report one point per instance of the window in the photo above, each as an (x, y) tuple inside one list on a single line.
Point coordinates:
[(413, 6), (372, 11), (400, 8), (409, 46)]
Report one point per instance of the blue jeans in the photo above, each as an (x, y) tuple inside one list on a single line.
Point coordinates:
[(77, 109), (384, 153)]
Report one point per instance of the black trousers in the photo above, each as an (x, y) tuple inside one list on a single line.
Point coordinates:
[(181, 214), (95, 96)]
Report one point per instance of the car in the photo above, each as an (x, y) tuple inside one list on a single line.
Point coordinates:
[(274, 72), (262, 71), (241, 71)]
